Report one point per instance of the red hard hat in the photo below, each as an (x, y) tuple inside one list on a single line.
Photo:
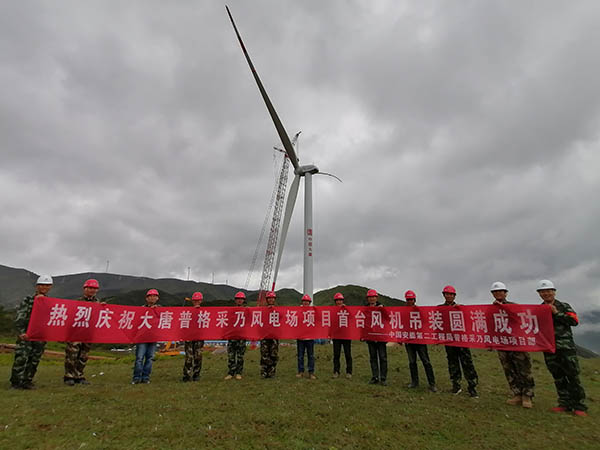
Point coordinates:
[(306, 297), (410, 295), (92, 283), (152, 292), (240, 295), (338, 296), (449, 290), (271, 294), (197, 296)]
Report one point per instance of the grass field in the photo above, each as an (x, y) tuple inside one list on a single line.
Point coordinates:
[(286, 412)]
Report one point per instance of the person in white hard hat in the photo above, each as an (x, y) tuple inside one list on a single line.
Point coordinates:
[(28, 353), (563, 363), (516, 365)]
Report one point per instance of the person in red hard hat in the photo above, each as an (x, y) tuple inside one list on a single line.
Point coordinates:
[(144, 351), (269, 348), (338, 344), (459, 356), (412, 350), (236, 347), (377, 349), (308, 346), (193, 350), (76, 353)]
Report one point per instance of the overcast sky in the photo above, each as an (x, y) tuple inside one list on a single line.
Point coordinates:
[(466, 135)]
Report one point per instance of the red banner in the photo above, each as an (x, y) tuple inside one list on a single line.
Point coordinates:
[(507, 327)]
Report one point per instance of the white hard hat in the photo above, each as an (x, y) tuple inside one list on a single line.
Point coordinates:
[(498, 286), (44, 279), (545, 284)]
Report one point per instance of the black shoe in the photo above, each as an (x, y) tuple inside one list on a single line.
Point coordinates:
[(432, 388), (16, 386), (70, 382), (473, 393), (146, 381), (383, 383), (456, 389), (373, 381), (413, 385), (28, 386), (196, 378), (82, 381), (135, 381)]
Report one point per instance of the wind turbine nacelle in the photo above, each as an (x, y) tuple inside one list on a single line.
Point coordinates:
[(309, 168)]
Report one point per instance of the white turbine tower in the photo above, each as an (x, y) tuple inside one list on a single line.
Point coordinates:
[(306, 171)]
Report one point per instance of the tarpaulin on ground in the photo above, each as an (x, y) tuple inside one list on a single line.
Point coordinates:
[(506, 327)]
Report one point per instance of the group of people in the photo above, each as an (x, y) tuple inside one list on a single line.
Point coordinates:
[(563, 364)]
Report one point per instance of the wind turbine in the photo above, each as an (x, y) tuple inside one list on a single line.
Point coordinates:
[(306, 172)]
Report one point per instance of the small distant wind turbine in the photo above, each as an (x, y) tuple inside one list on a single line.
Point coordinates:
[(306, 171)]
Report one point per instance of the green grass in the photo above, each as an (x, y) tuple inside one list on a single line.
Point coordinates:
[(287, 412)]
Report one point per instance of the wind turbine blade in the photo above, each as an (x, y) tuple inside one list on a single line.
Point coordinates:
[(287, 217), (330, 175), (285, 139)]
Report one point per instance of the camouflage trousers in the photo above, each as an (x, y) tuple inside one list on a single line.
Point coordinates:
[(76, 356), (27, 358), (193, 360), (269, 355), (235, 356), (461, 357), (564, 367), (517, 368)]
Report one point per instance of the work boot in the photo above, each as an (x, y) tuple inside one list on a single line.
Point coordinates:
[(238, 377), (228, 377), (516, 400), (527, 403)]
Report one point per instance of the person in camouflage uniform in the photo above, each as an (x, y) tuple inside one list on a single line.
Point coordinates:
[(516, 365), (76, 353), (269, 348), (236, 348), (193, 350), (412, 350), (28, 353), (459, 356), (563, 364)]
